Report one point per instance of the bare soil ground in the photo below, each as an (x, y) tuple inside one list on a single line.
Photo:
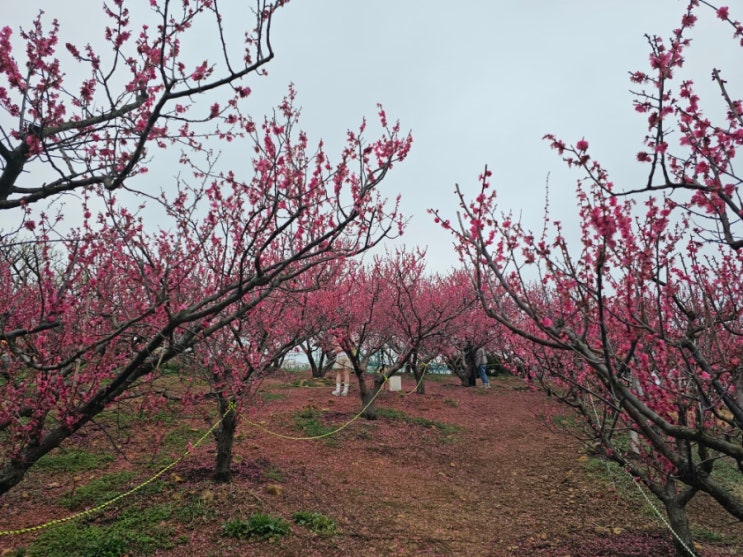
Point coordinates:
[(457, 471)]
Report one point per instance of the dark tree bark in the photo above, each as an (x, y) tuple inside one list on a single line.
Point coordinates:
[(319, 366), (418, 372), (458, 368), (369, 396), (225, 437), (675, 504)]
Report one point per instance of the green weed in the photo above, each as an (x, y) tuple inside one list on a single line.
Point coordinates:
[(447, 432), (103, 489), (311, 383), (315, 522), (706, 535), (308, 421), (259, 526), (273, 474), (135, 532), (268, 397), (96, 491), (194, 508), (73, 461)]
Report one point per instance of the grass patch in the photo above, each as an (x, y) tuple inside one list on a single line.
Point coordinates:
[(614, 476), (315, 522), (103, 489), (268, 397), (566, 421), (73, 461), (311, 383), (135, 532), (259, 526), (706, 535), (273, 474), (727, 473), (121, 417), (178, 439), (308, 421), (447, 432), (167, 416), (192, 509), (96, 491)]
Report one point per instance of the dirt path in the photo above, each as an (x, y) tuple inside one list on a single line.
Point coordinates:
[(455, 472), (503, 485)]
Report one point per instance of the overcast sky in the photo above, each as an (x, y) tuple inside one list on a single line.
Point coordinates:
[(476, 81)]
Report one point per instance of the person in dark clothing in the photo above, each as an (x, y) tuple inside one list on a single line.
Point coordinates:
[(481, 365)]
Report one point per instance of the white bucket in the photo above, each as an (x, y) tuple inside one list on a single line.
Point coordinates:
[(395, 383)]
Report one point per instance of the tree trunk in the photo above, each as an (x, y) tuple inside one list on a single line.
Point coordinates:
[(225, 436), (317, 371), (12, 473), (368, 397), (457, 367), (420, 388), (470, 369), (318, 366), (679, 522), (14, 470)]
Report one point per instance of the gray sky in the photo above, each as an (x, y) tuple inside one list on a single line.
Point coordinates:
[(482, 82), (477, 81)]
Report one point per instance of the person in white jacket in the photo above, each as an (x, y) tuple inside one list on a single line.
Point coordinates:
[(342, 367)]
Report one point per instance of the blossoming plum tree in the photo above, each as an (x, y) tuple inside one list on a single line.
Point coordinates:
[(639, 326), (109, 297), (235, 359), (394, 307)]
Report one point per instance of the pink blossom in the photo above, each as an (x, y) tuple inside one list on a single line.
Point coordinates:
[(642, 156), (73, 50), (87, 89), (582, 145), (722, 12), (243, 91), (200, 72)]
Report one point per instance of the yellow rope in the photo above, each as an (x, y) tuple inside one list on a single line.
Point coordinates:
[(326, 434), (122, 495), (162, 471), (425, 371), (637, 483)]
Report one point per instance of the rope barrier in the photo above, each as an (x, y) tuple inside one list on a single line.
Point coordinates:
[(661, 517), (423, 374), (323, 435), (121, 496), (232, 408), (642, 491)]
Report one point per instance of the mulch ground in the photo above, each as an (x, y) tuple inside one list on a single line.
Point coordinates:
[(456, 471)]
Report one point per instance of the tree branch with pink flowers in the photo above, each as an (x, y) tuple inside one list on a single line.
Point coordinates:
[(111, 298), (637, 326)]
